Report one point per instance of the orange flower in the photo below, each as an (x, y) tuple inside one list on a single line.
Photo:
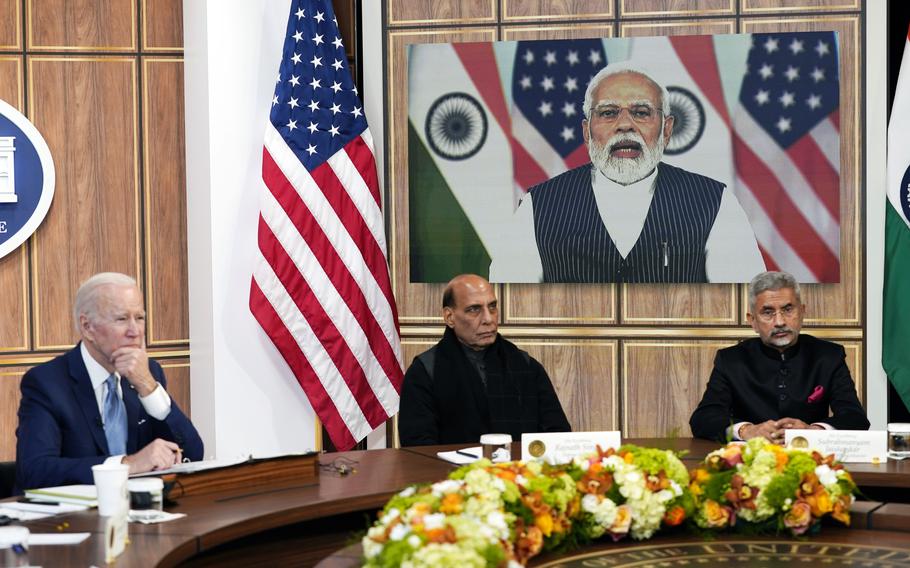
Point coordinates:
[(820, 502), (717, 515), (545, 523), (441, 535), (628, 457), (528, 542), (842, 509), (782, 460), (594, 482), (799, 518), (740, 495), (675, 516), (451, 504), (657, 482), (621, 523)]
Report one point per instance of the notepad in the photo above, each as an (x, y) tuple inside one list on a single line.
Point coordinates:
[(85, 495)]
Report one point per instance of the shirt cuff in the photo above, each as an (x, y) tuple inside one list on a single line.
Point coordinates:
[(823, 425), (734, 431), (114, 460), (157, 404)]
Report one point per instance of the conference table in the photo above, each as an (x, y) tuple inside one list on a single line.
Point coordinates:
[(302, 525)]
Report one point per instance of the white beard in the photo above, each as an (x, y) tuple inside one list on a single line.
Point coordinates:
[(625, 171)]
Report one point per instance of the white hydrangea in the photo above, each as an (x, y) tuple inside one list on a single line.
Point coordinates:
[(434, 521), (826, 476), (399, 531), (407, 492), (447, 486)]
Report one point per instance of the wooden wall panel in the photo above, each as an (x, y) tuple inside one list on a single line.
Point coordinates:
[(557, 31), (416, 302), (88, 25), (543, 10), (639, 29), (167, 301), (662, 384), (177, 372), (783, 6), (10, 377), (86, 109), (162, 25), (839, 304), (695, 304), (664, 8), (10, 24), (439, 12), (14, 326), (584, 374)]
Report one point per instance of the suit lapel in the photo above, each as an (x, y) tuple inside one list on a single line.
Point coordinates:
[(84, 394)]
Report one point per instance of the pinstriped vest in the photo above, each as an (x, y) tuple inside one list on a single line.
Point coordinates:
[(575, 246)]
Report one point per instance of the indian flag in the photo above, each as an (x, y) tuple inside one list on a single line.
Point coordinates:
[(459, 160), (896, 326)]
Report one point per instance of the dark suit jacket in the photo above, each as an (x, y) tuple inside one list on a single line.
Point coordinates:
[(752, 382), (444, 401), (60, 434)]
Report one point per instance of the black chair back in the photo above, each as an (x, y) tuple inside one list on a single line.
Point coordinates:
[(7, 479)]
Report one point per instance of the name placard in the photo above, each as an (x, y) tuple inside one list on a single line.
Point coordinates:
[(562, 447), (848, 446)]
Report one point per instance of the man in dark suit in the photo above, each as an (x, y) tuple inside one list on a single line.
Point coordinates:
[(627, 216), (103, 400), (780, 380), (474, 381)]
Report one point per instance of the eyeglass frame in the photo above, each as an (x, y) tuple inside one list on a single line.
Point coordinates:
[(786, 312), (629, 109)]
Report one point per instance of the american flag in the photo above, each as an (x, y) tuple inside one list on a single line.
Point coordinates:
[(548, 90), (321, 288), (786, 149)]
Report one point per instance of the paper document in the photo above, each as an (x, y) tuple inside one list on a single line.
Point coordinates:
[(56, 539), (76, 494), (470, 455), (192, 467)]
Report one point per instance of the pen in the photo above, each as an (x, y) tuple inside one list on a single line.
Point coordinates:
[(466, 454)]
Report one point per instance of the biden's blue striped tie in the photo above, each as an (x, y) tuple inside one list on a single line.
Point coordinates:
[(114, 419)]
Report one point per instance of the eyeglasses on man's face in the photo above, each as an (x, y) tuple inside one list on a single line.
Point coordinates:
[(787, 312), (642, 114)]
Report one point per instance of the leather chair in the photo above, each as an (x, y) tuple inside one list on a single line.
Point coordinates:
[(7, 478)]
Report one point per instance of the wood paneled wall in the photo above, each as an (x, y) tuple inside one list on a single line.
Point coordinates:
[(634, 357), (102, 80)]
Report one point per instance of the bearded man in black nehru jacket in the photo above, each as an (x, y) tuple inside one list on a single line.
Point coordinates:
[(474, 381), (780, 380)]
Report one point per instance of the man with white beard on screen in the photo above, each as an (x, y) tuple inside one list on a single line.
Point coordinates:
[(627, 216)]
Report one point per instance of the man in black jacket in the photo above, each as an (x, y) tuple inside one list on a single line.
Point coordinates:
[(780, 380), (473, 381)]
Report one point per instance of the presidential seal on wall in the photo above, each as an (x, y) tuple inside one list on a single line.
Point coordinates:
[(26, 178)]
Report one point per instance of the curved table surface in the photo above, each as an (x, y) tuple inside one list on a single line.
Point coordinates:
[(214, 520)]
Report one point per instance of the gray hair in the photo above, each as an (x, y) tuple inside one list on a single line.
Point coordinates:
[(616, 69), (772, 281), (87, 296)]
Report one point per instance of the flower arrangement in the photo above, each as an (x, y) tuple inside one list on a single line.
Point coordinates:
[(489, 514), (504, 514), (759, 486)]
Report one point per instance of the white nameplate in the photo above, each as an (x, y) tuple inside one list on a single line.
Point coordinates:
[(562, 447), (848, 446)]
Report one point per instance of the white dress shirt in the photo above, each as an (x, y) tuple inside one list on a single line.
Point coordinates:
[(157, 404), (731, 252)]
